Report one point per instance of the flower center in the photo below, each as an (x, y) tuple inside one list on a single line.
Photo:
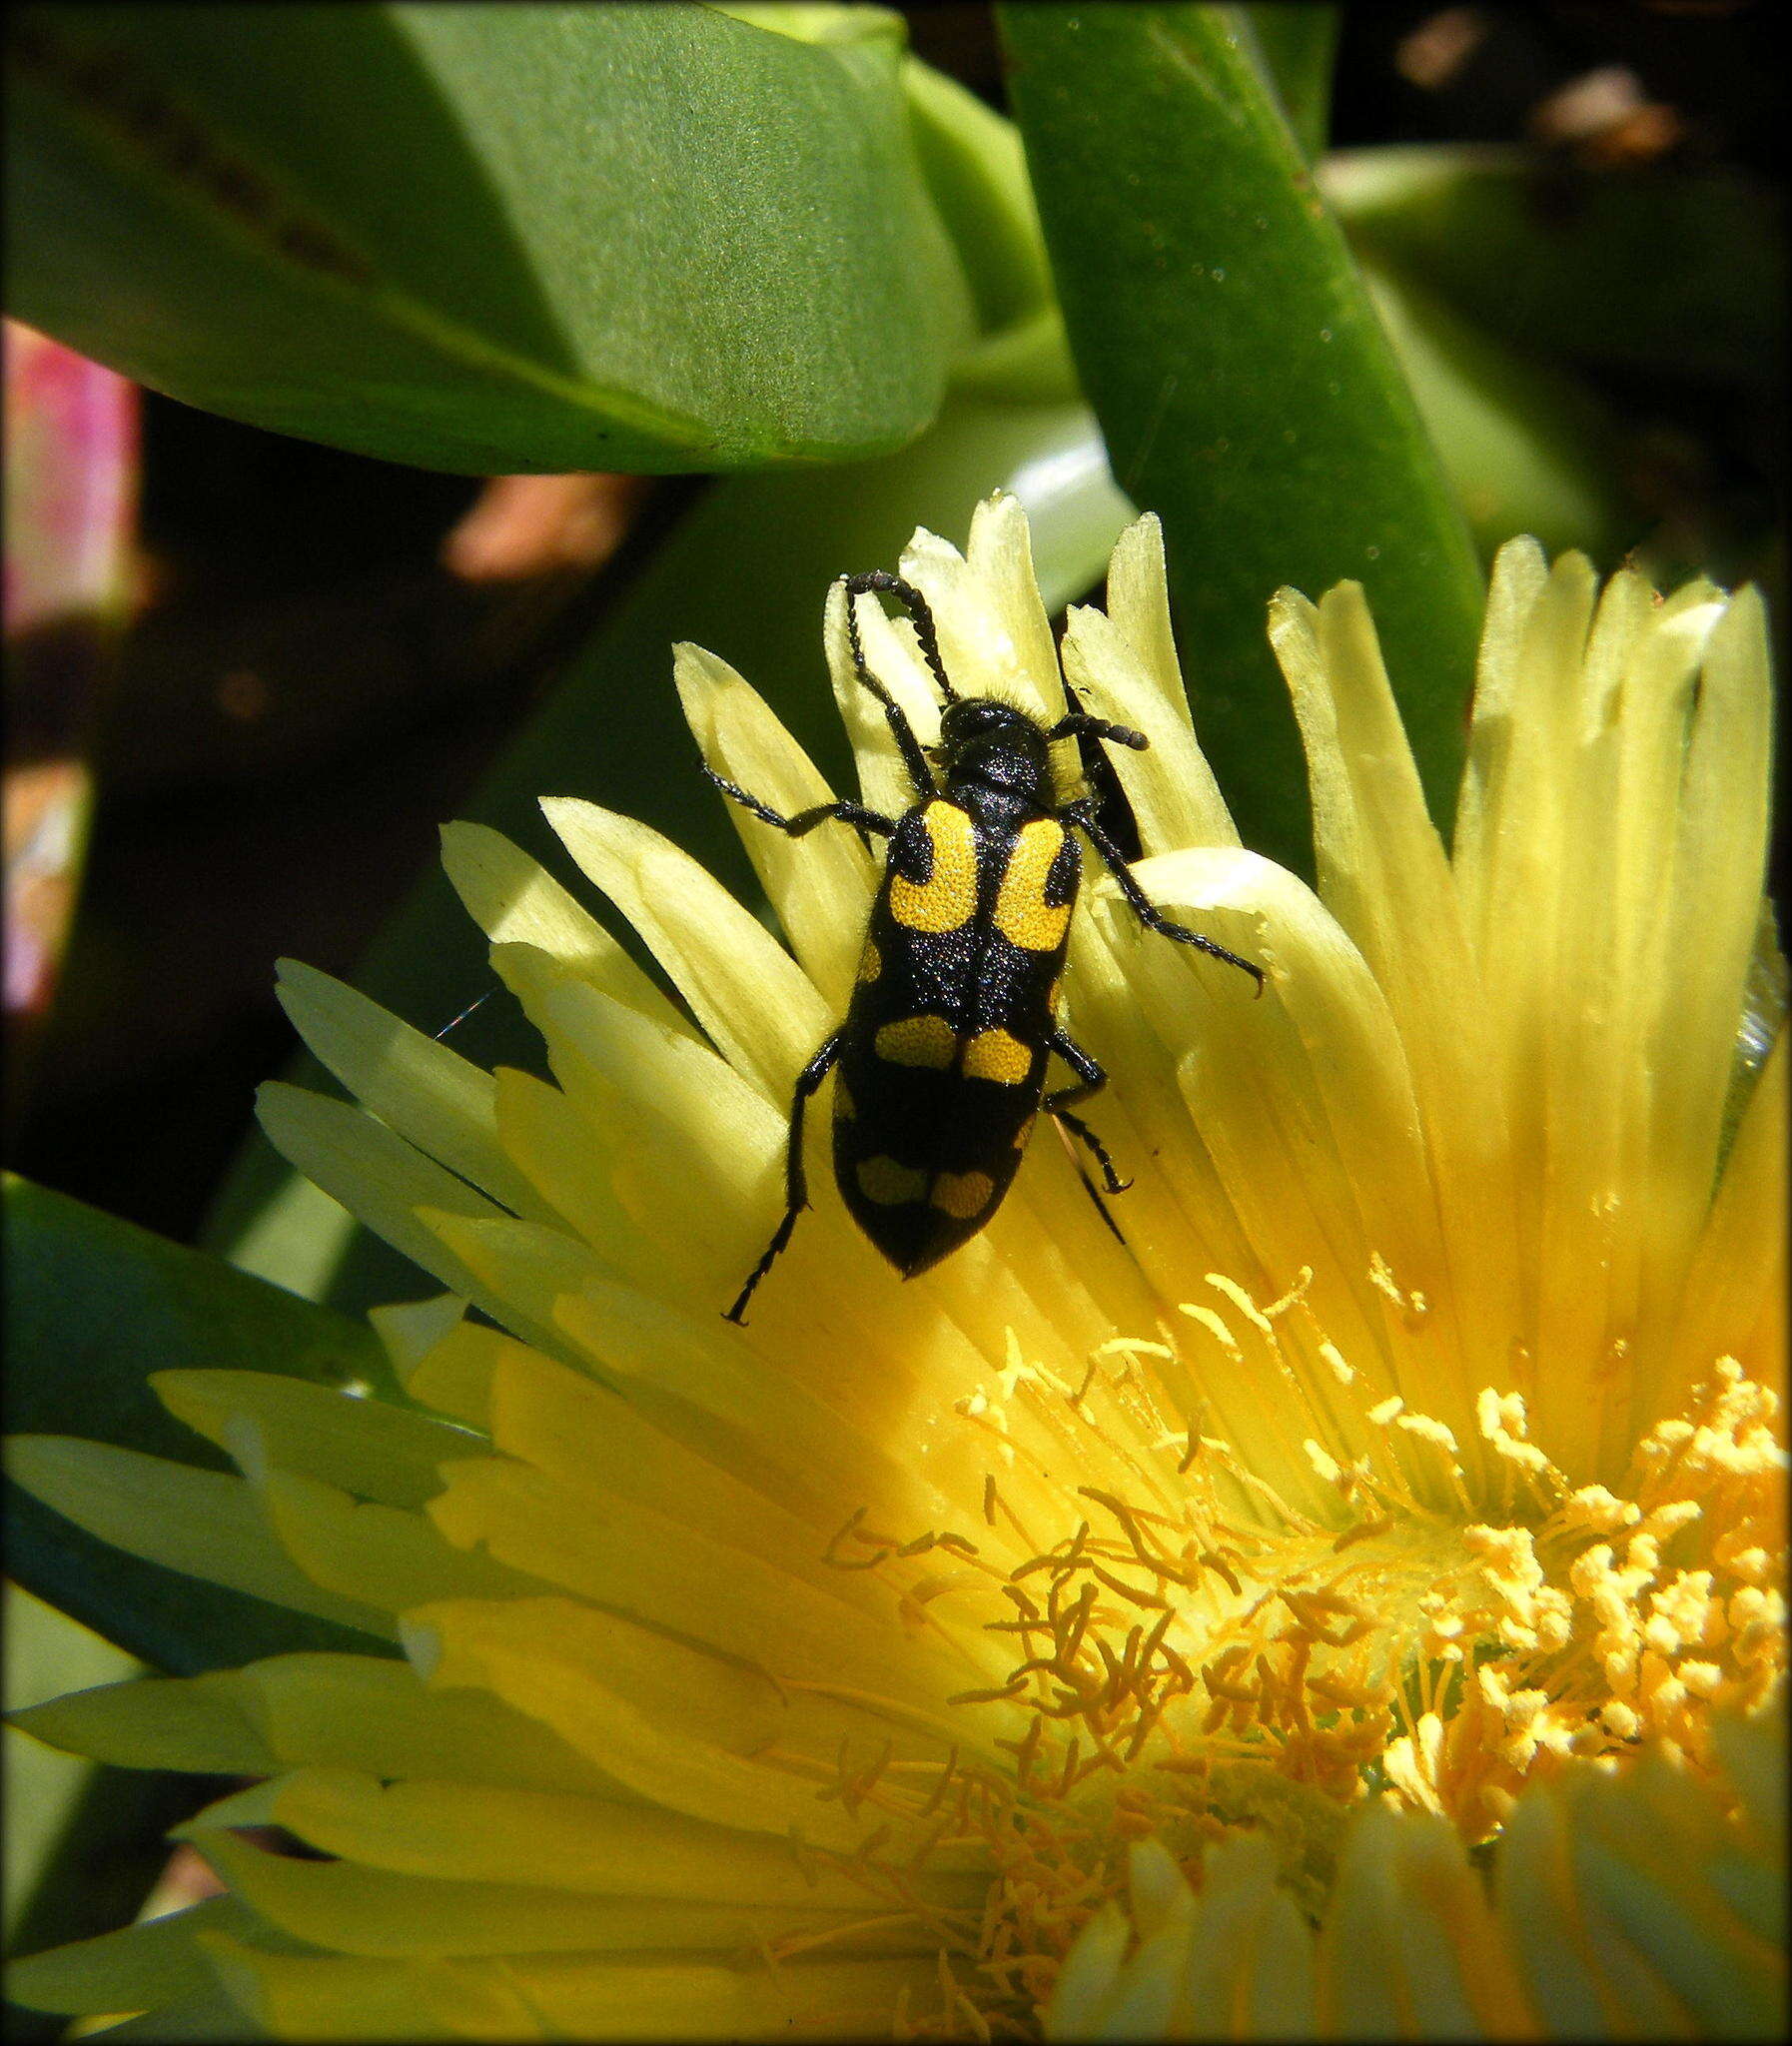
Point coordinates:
[(1190, 1656)]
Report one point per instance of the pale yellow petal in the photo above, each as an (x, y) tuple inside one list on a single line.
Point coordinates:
[(1734, 1302), (374, 1715), (1249, 1963), (1614, 883), (429, 1095), (648, 1568), (522, 1268), (582, 1434), (349, 1711), (376, 1554), (139, 1967), (1504, 680), (758, 1006), (1171, 788), (705, 1384), (1384, 875), (156, 1723), (998, 561), (573, 1998), (1139, 611), (1304, 1104), (470, 1833), (1635, 1906), (410, 1330), (821, 883), (368, 1448), (597, 1168), (1139, 606), (1408, 1948), (892, 657), (375, 1174), (1718, 870), (302, 1997), (455, 1375), (374, 1912), (1088, 1977), (199, 1522), (515, 901)]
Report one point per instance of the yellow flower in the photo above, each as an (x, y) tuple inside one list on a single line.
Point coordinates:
[(1097, 1635)]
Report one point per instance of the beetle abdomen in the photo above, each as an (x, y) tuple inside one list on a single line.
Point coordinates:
[(944, 1059)]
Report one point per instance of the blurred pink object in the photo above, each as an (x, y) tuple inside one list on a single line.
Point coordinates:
[(71, 482), (71, 497)]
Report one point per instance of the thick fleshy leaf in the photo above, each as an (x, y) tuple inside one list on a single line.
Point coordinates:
[(551, 238), (46, 1654), (1246, 386), (1661, 268), (93, 1306), (1296, 46), (1526, 447)]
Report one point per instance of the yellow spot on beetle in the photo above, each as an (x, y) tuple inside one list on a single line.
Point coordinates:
[(918, 1041), (998, 1055), (948, 896), (871, 962), (843, 1102), (1024, 1132), (963, 1193), (1023, 915), (888, 1184)]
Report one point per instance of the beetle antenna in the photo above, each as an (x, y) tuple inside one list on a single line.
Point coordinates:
[(914, 757), (916, 605)]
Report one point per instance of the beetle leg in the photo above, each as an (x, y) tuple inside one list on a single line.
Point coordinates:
[(1149, 914), (804, 820), (796, 1185), (1090, 1080)]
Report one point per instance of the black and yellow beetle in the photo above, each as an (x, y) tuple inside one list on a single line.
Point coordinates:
[(943, 1052)]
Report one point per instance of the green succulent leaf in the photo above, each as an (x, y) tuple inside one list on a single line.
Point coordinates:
[(93, 1306), (1661, 268), (1296, 46), (488, 238), (1526, 447), (1245, 383)]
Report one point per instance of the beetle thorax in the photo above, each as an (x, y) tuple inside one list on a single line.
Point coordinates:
[(994, 745)]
